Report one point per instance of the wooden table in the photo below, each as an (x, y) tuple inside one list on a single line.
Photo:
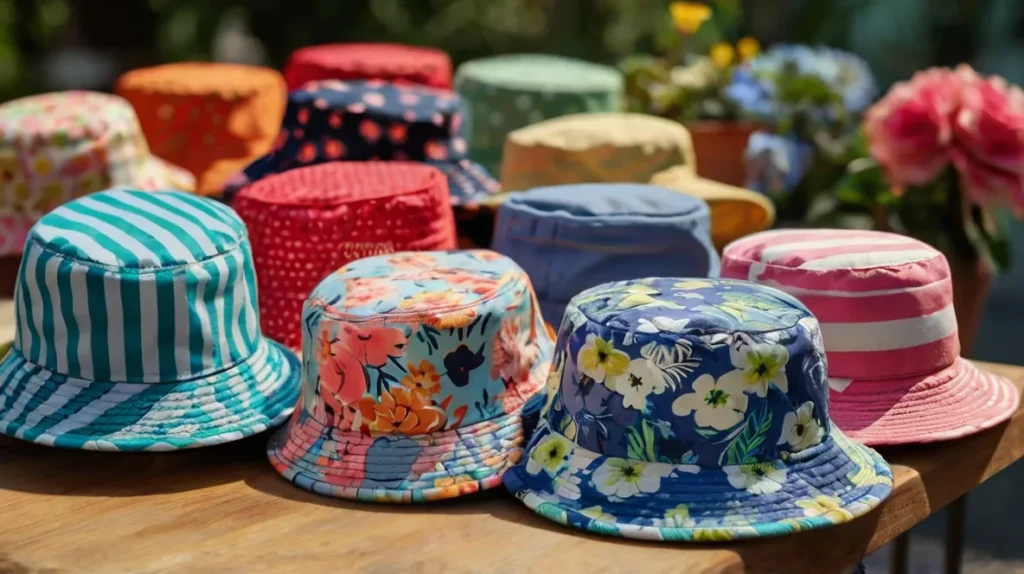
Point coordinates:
[(224, 510)]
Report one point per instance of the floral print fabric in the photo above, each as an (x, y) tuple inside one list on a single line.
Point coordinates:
[(415, 368), (692, 409), (369, 120)]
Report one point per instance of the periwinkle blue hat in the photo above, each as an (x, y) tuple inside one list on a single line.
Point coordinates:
[(572, 237), (692, 409), (373, 120), (138, 329)]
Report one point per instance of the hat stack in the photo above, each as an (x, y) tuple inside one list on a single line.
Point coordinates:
[(59, 146), (693, 410), (137, 329), (211, 118), (573, 237), (504, 93), (362, 121), (415, 368), (307, 222), (620, 147), (393, 63), (885, 303)]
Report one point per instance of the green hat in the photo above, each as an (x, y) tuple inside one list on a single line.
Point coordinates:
[(504, 93)]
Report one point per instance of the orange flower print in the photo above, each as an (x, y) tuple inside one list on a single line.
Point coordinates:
[(365, 290), (373, 99), (453, 319), (401, 410), (369, 130), (407, 261), (452, 486), (425, 301), (333, 149), (303, 116), (372, 345), (511, 351), (422, 378), (323, 349), (334, 120), (397, 133), (435, 150), (342, 381), (307, 153)]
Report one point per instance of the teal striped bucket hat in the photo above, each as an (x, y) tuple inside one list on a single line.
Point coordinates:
[(138, 329)]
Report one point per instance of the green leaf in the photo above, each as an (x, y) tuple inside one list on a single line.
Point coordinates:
[(742, 448), (640, 444)]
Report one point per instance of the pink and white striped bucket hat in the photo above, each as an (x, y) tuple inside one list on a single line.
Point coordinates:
[(885, 306)]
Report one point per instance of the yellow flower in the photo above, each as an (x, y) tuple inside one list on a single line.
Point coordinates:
[(42, 166), (748, 48), (599, 359), (549, 455), (711, 535), (828, 507), (689, 16), (722, 54), (596, 513), (693, 284)]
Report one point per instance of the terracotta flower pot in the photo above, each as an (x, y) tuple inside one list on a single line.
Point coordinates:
[(971, 282), (720, 147)]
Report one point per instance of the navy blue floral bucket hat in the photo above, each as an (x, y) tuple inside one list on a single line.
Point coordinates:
[(372, 120), (692, 410)]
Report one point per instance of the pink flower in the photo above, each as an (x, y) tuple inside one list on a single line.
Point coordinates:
[(910, 130), (342, 380), (511, 351), (372, 345), (989, 130)]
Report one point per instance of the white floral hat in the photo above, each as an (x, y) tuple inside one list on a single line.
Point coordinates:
[(692, 409)]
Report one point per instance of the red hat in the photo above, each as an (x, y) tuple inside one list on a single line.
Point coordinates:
[(305, 223), (393, 63)]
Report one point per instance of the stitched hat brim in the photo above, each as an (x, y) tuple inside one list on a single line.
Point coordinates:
[(957, 401), (390, 468), (704, 506), (47, 408)]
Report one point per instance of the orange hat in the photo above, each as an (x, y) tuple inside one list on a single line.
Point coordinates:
[(210, 118)]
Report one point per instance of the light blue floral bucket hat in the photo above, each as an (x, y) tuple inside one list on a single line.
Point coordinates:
[(692, 409), (138, 329), (416, 367)]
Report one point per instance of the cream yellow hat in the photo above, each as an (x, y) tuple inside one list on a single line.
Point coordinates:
[(621, 147)]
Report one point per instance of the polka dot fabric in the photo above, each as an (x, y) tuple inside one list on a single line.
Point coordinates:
[(210, 118), (361, 121), (393, 63), (306, 223)]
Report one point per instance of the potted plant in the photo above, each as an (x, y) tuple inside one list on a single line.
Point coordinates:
[(688, 84), (940, 158)]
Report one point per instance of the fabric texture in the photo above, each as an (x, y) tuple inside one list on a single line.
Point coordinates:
[(504, 93), (692, 410), (306, 223), (213, 119), (572, 237), (885, 303), (59, 146), (392, 63), (137, 329), (415, 368), (362, 121), (620, 147)]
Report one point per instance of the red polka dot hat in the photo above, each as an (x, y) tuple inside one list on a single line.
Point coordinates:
[(394, 63), (307, 222)]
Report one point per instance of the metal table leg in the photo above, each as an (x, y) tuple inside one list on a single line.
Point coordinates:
[(899, 563), (956, 516)]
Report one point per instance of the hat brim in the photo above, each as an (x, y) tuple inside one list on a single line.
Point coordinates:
[(827, 484), (44, 407), (160, 175), (469, 183), (957, 401)]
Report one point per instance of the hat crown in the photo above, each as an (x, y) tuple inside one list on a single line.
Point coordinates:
[(137, 287), (689, 371), (92, 140), (884, 301), (372, 120), (418, 342), (543, 72)]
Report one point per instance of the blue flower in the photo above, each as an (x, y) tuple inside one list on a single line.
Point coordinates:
[(776, 163)]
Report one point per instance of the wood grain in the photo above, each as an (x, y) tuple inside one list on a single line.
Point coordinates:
[(223, 509)]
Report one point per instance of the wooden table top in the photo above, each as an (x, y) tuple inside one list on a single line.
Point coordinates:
[(223, 509)]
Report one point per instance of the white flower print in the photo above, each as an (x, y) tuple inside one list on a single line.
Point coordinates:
[(678, 517), (714, 404), (599, 359), (756, 478), (641, 379), (800, 429), (596, 513), (757, 366), (656, 325), (549, 455), (624, 478)]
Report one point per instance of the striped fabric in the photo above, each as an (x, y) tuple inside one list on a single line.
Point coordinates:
[(884, 301), (137, 328), (137, 287)]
